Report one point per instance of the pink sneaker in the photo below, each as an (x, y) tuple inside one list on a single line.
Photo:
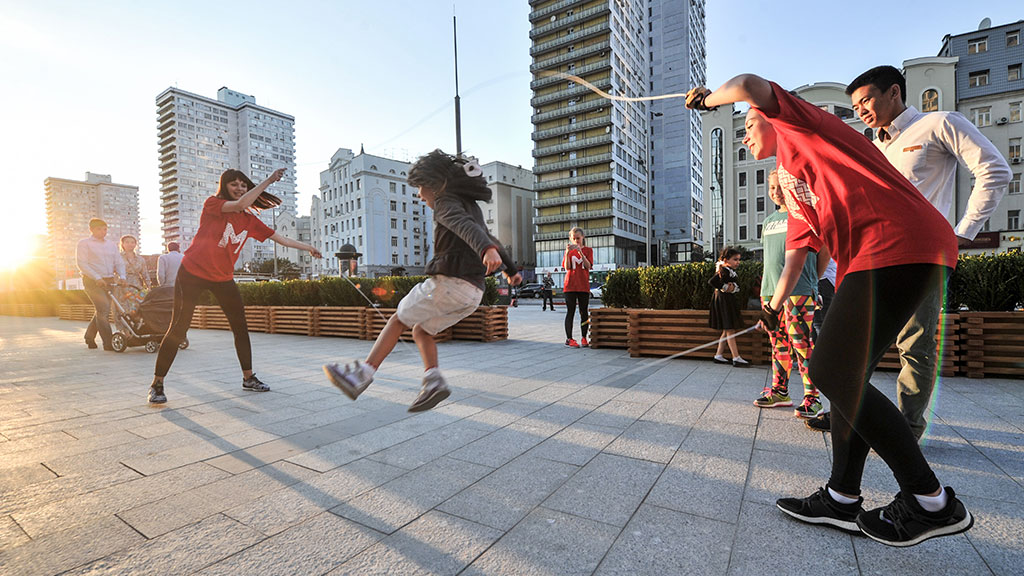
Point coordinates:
[(571, 343), (584, 343)]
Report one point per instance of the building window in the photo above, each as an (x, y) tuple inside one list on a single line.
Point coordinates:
[(759, 230), (394, 240), (1013, 72), (759, 177), (1013, 220), (869, 133), (742, 154), (1013, 38), (742, 179), (391, 185), (743, 206), (760, 208), (930, 100), (394, 206), (1014, 111), (1014, 148), (1014, 187), (743, 232), (394, 224), (981, 116), (977, 46), (977, 79)]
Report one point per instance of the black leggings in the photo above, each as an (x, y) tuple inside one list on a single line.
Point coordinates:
[(187, 289), (868, 312), (571, 298)]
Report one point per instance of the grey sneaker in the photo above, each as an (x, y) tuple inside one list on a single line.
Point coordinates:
[(156, 394), (435, 389), (353, 379), (253, 384)]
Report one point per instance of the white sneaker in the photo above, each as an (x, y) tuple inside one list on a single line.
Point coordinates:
[(435, 389), (352, 380)]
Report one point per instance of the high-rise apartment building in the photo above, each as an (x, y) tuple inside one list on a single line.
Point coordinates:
[(70, 204), (593, 169), (737, 183), (678, 63), (509, 213), (365, 202), (200, 137)]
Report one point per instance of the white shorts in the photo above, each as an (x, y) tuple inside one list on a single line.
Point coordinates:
[(439, 302)]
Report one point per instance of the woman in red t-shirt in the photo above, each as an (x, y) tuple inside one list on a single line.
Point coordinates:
[(226, 223), (578, 261)]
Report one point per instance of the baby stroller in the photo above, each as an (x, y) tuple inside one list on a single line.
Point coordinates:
[(147, 326)]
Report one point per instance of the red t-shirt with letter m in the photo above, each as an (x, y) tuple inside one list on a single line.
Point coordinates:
[(577, 278), (219, 241)]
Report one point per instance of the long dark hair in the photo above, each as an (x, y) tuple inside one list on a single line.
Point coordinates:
[(728, 252), (263, 201), (438, 169)]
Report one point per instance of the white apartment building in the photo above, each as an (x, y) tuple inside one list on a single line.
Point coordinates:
[(200, 137), (593, 167), (509, 213), (70, 204), (736, 183), (365, 201), (296, 228)]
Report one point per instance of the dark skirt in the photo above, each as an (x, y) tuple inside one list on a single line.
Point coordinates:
[(725, 312)]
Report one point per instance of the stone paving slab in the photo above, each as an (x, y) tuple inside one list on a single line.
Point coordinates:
[(545, 460)]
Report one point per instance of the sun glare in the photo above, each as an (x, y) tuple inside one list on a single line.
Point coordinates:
[(18, 242)]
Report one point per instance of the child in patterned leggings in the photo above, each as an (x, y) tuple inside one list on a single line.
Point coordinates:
[(793, 336)]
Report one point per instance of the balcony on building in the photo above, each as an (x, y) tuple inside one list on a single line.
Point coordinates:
[(574, 181), (567, 93), (597, 104), (566, 39), (603, 231), (571, 145), (582, 72), (562, 199), (574, 127), (573, 163), (573, 216), (564, 22), (577, 54)]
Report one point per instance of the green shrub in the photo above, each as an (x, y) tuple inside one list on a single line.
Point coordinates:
[(490, 291), (622, 289), (986, 283)]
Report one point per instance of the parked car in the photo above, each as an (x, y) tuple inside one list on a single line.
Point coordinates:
[(596, 290), (531, 290)]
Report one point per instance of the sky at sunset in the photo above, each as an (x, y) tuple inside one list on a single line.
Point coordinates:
[(80, 78)]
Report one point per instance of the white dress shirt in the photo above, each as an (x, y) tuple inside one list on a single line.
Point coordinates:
[(926, 147), (99, 259), (167, 268)]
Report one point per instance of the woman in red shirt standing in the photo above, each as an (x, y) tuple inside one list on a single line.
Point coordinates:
[(227, 221), (578, 261)]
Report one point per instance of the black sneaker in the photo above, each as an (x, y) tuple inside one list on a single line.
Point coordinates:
[(822, 422), (253, 384), (820, 508), (435, 389), (905, 523), (156, 394)]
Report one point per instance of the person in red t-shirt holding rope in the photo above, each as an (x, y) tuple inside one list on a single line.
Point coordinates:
[(226, 222), (891, 246), (578, 260)]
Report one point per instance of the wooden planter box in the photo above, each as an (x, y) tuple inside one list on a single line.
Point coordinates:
[(949, 340), (374, 323), (76, 312), (258, 318), (343, 321), (667, 332), (992, 344), (34, 310), (292, 320), (486, 324), (609, 328)]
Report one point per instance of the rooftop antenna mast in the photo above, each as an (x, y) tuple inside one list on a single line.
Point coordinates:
[(458, 110)]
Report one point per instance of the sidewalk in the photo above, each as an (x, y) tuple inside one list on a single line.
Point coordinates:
[(545, 460)]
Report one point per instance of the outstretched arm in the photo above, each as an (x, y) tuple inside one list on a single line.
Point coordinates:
[(748, 88), (243, 203), (286, 241)]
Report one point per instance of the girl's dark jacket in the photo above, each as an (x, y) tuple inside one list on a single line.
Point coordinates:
[(460, 235)]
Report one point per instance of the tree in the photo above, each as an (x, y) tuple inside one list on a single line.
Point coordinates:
[(285, 268)]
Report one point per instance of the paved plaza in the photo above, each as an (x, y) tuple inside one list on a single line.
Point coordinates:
[(545, 460)]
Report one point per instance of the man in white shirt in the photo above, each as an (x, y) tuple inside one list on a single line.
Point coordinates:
[(926, 149), (100, 263), (167, 265)]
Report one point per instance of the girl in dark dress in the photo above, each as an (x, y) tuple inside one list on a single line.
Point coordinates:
[(725, 308)]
